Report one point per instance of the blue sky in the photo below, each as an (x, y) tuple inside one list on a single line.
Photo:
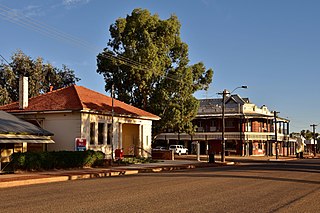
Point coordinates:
[(272, 46)]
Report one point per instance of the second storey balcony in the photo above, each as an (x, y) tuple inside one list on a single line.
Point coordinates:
[(207, 136)]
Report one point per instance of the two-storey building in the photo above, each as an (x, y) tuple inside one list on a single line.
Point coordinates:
[(249, 129)]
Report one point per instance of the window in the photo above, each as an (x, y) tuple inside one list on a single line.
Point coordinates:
[(286, 129), (199, 126), (249, 123), (92, 133), (229, 123), (101, 133), (280, 127), (213, 126), (109, 134), (265, 126), (230, 145)]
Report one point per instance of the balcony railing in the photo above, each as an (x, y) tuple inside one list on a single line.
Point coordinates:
[(247, 136), (200, 129), (207, 129)]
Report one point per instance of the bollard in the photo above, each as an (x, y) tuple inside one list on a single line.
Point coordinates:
[(211, 158), (198, 151)]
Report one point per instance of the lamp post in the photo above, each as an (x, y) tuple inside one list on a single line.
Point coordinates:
[(223, 144)]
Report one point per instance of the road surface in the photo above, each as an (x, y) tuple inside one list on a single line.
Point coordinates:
[(250, 187)]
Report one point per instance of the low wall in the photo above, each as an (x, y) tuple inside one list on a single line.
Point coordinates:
[(163, 155)]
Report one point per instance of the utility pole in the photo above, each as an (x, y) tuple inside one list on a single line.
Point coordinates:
[(276, 133), (112, 122), (288, 133), (223, 145), (0, 161), (314, 138)]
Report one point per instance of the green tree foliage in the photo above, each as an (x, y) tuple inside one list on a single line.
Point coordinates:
[(41, 77), (148, 64), (308, 134)]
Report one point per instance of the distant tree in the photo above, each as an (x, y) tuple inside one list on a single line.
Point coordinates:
[(308, 134), (41, 77), (4, 96), (147, 62)]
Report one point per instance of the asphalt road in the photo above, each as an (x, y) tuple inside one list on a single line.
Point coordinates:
[(252, 187)]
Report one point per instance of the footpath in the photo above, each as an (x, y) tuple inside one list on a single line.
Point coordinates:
[(180, 162)]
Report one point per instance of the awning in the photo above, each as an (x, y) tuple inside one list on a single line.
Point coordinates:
[(46, 141), (10, 138), (11, 124)]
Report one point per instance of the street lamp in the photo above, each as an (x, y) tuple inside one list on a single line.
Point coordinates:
[(223, 144)]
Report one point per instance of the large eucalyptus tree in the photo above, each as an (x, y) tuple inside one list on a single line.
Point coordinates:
[(148, 64)]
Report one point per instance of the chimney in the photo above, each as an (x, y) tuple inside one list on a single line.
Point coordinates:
[(23, 92)]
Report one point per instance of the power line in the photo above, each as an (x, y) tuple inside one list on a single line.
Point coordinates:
[(51, 32), (54, 33), (126, 61), (44, 29), (4, 59), (110, 56)]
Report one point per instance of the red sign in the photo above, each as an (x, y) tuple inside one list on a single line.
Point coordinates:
[(81, 144)]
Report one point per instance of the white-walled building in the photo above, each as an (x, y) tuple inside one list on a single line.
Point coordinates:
[(311, 145), (77, 113)]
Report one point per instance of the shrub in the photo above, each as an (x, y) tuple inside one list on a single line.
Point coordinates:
[(136, 160), (56, 160)]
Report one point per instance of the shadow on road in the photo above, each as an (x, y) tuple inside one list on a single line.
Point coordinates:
[(263, 171)]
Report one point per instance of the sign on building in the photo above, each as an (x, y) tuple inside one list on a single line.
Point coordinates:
[(81, 144)]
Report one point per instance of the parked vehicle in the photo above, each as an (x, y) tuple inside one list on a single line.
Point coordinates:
[(178, 149), (159, 148)]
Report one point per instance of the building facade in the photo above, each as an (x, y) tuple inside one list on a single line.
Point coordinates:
[(76, 113), (17, 135), (249, 130)]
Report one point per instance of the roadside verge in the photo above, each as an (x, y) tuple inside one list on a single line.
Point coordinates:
[(29, 178)]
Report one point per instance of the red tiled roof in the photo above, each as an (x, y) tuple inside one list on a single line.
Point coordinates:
[(77, 98)]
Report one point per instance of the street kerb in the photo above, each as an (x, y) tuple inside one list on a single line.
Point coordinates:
[(58, 176)]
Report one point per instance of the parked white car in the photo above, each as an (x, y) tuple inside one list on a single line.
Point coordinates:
[(178, 149)]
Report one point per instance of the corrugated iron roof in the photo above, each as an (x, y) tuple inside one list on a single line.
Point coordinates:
[(9, 124), (217, 101)]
